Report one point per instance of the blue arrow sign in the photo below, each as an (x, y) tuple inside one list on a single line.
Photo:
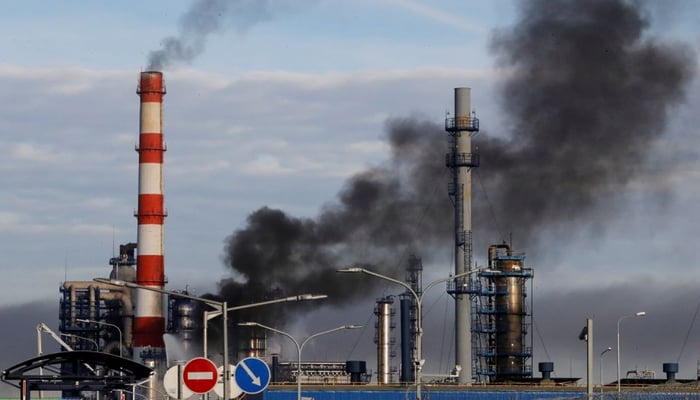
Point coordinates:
[(252, 375)]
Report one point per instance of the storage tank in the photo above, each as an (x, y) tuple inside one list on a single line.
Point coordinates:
[(508, 276), (384, 339)]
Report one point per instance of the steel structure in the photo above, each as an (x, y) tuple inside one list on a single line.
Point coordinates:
[(409, 318), (384, 339), (460, 160), (503, 319), (149, 322)]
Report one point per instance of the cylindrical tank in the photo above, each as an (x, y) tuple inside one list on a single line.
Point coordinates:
[(181, 317), (255, 344), (509, 312), (275, 368), (383, 338), (356, 369), (546, 368), (407, 371), (670, 369)]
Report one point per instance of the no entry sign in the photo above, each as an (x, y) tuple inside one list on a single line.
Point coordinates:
[(200, 375)]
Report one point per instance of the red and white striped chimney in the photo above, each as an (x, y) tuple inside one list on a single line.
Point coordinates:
[(149, 321)]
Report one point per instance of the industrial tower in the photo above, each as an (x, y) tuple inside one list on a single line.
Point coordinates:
[(502, 319), (460, 160), (409, 318)]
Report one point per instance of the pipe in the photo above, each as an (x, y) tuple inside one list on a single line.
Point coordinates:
[(383, 311), (105, 292)]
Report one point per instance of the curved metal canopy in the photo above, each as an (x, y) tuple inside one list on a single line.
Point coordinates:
[(77, 370)]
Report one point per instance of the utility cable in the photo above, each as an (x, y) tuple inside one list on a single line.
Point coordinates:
[(499, 228), (687, 335), (539, 335), (359, 337)]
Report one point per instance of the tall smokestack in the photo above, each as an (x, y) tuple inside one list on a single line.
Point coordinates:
[(149, 322), (460, 160)]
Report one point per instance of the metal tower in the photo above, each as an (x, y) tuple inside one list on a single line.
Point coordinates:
[(460, 160), (503, 318)]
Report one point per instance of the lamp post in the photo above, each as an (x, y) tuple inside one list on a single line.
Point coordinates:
[(300, 346), (220, 308), (601, 369), (92, 321), (637, 314), (87, 339), (418, 362), (213, 314)]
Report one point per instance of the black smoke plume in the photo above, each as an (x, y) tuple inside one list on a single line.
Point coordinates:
[(586, 97), (207, 17), (381, 216)]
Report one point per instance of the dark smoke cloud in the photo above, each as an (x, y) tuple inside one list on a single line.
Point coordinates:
[(207, 17), (587, 96), (380, 217), (587, 99), (18, 337)]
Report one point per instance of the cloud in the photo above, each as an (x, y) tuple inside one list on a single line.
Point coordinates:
[(459, 22), (35, 154)]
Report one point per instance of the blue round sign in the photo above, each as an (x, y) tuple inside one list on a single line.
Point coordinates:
[(252, 375)]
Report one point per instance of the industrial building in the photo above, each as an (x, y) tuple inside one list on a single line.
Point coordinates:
[(493, 318)]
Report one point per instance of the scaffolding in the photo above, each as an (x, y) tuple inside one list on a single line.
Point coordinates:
[(502, 318)]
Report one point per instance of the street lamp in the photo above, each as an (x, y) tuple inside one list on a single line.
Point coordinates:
[(218, 305), (87, 339), (221, 308), (637, 314), (418, 362), (299, 346), (213, 314), (601, 369), (92, 321)]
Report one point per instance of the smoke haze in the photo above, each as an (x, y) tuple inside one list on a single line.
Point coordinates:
[(380, 217), (208, 17), (586, 98)]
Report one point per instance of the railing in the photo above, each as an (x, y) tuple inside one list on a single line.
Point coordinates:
[(461, 160), (470, 124)]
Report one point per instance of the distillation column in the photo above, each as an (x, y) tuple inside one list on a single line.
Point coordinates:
[(460, 160), (384, 339), (149, 321)]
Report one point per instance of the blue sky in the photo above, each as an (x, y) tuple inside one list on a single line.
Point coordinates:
[(338, 36), (281, 114)]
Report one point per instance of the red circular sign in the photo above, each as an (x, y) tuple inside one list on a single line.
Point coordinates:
[(200, 375)]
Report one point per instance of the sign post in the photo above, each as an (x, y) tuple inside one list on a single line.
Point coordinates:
[(252, 375), (173, 384), (233, 389), (200, 375)]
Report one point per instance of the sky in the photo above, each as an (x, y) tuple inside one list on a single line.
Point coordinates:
[(286, 105)]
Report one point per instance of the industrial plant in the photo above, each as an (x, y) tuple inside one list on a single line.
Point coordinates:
[(131, 314)]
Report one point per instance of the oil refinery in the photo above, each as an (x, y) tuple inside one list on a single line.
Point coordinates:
[(131, 314)]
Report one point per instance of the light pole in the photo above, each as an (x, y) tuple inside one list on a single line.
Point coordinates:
[(637, 314), (418, 362), (87, 339), (218, 305), (213, 314), (92, 321), (300, 346), (601, 369), (221, 308)]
